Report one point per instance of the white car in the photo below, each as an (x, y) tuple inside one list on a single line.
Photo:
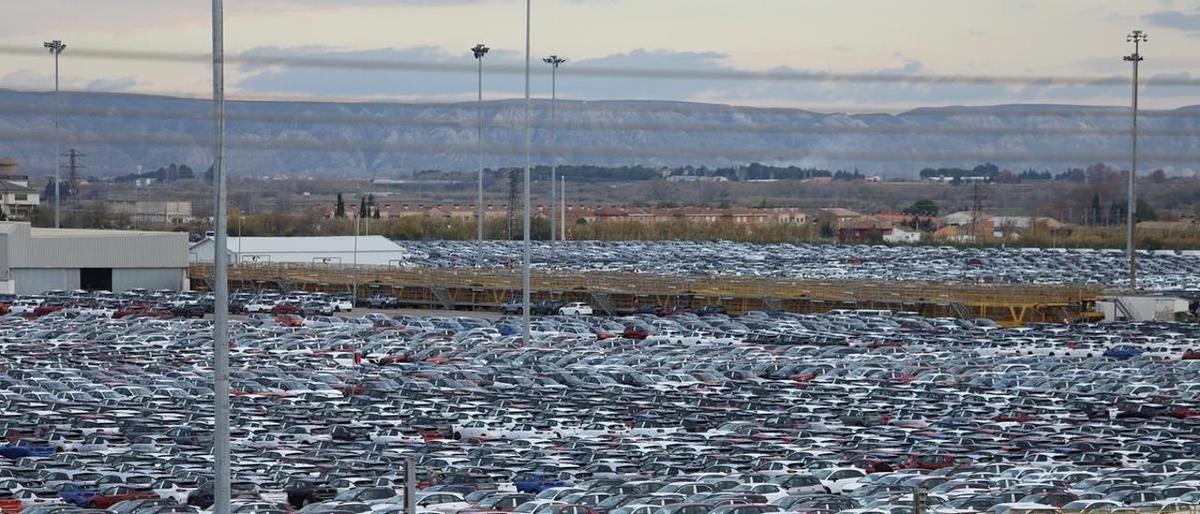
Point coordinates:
[(576, 309), (838, 480)]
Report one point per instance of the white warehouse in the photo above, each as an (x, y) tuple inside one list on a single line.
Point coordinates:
[(368, 250), (34, 260)]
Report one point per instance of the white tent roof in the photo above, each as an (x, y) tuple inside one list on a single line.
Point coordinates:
[(370, 249), (319, 244)]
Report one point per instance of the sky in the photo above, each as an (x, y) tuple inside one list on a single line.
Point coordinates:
[(612, 45)]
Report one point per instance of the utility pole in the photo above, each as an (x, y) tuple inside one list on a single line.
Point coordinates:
[(480, 50), (975, 207), (1136, 37), (553, 61), (512, 202), (528, 146), (221, 462), (56, 48), (73, 166), (354, 289)]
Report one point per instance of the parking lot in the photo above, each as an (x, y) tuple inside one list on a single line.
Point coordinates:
[(843, 412), (1158, 271)]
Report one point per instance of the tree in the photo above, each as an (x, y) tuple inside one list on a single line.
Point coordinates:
[(1158, 176), (1094, 212), (1145, 212), (362, 207), (924, 207), (340, 210), (376, 214)]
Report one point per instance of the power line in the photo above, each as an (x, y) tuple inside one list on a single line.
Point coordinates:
[(607, 72)]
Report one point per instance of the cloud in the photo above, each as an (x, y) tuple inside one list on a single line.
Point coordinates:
[(434, 73), (27, 79), (112, 84), (1174, 20)]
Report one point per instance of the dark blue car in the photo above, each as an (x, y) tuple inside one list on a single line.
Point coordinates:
[(1124, 352), (535, 483)]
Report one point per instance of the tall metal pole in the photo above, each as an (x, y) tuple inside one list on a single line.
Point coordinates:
[(1136, 37), (56, 48), (410, 485), (354, 290), (480, 50), (221, 461), (553, 140), (553, 61), (562, 211), (525, 222)]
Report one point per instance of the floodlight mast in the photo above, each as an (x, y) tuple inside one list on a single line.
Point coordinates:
[(479, 51), (1136, 37), (553, 61), (56, 48), (526, 250), (221, 460)]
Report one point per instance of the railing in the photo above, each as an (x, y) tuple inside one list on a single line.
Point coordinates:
[(853, 291)]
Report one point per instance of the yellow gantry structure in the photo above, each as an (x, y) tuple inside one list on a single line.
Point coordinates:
[(475, 289)]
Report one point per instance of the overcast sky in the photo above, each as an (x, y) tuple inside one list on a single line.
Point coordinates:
[(1034, 38)]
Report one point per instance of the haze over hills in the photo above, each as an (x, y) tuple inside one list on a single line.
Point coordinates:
[(119, 132)]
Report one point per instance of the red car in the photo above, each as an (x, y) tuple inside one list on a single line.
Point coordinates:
[(930, 462), (635, 332), (43, 310), (1191, 354), (111, 495), (9, 504), (286, 308), (289, 320)]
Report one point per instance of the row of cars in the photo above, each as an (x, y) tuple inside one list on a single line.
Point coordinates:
[(163, 304), (685, 414), (1157, 270)]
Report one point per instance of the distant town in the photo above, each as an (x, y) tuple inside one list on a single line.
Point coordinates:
[(983, 205)]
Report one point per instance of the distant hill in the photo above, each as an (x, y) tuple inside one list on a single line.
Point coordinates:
[(119, 132)]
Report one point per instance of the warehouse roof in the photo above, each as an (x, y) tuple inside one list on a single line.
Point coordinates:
[(322, 244)]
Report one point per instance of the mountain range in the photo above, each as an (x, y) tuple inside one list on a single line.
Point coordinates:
[(118, 133)]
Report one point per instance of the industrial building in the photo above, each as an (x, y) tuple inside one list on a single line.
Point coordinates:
[(162, 212), (365, 250), (34, 260), (1141, 308), (17, 199)]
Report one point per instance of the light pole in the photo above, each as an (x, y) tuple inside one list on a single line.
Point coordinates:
[(1136, 37), (56, 48), (354, 290), (480, 50), (221, 463), (525, 222), (241, 219), (553, 61), (562, 212)]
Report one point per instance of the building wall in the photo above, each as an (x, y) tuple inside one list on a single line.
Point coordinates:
[(124, 279), (37, 280)]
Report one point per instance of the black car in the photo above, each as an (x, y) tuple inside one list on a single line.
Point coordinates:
[(189, 310), (300, 494), (711, 309), (545, 308)]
